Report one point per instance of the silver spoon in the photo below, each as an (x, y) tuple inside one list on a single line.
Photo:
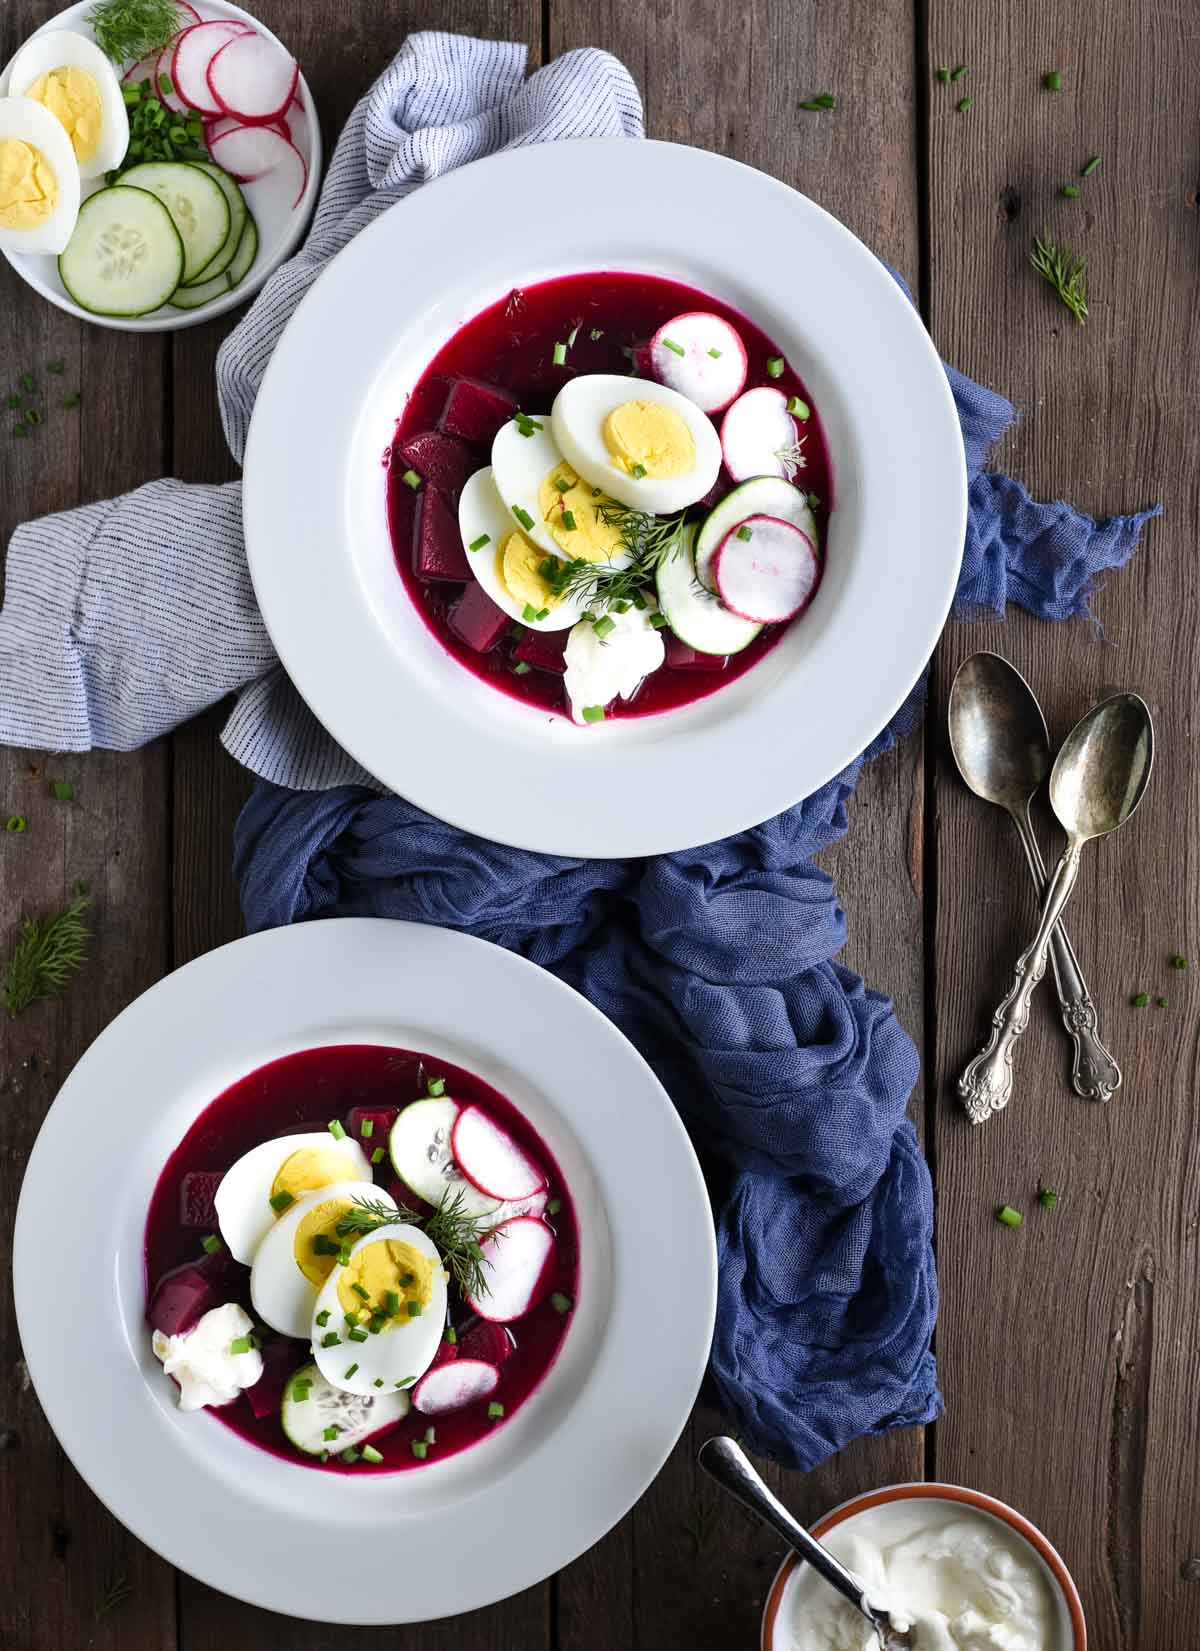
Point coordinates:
[(1098, 779), (999, 740), (726, 1462)]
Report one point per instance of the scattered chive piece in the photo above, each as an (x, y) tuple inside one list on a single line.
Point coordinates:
[(377, 1156), (715, 353), (815, 105), (211, 1244), (568, 520), (431, 1436), (525, 425), (358, 1333), (20, 429), (165, 86), (637, 471), (560, 355), (622, 607), (799, 409), (596, 332), (522, 668), (562, 484), (370, 1454), (1009, 1217), (451, 1335), (775, 367), (639, 601), (331, 1339), (407, 1278), (241, 1344), (960, 73), (495, 1411), (33, 417), (604, 627), (1052, 81), (344, 1256), (1070, 191), (1047, 1198), (363, 1295), (350, 1456), (406, 1381), (27, 383), (391, 1303), (367, 1128), (15, 824), (523, 516), (63, 791), (324, 1246), (478, 544), (336, 1130), (350, 1318), (280, 1202), (300, 1393), (555, 1204), (1140, 1000), (560, 1303), (331, 1432), (56, 367), (1178, 961), (745, 533), (965, 104), (529, 612), (350, 1370), (672, 345), (323, 1317), (1162, 1002), (1089, 166), (658, 621), (414, 1309), (436, 1087), (420, 1449), (943, 74), (411, 479), (324, 1456), (73, 399), (378, 1382), (593, 713)]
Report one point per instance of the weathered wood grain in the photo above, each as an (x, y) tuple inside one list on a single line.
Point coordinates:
[(1068, 1348)]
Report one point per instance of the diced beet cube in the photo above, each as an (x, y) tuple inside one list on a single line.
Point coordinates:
[(380, 1119), (682, 658), (196, 1194), (439, 460), (475, 411), (543, 650), (476, 620), (281, 1357), (489, 1342), (437, 544), (182, 1297)]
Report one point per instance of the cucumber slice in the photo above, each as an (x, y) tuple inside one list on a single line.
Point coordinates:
[(196, 203), (421, 1156), (694, 613), (191, 298), (125, 255), (760, 496), (357, 1416), (238, 213)]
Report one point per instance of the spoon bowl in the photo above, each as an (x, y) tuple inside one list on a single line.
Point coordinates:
[(1101, 773), (998, 734)]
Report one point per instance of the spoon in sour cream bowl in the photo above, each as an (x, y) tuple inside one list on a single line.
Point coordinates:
[(727, 1463)]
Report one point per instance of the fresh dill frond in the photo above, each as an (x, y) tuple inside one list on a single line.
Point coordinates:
[(118, 1591), (649, 541), (792, 457), (128, 29), (457, 1233), (47, 954), (1063, 273)]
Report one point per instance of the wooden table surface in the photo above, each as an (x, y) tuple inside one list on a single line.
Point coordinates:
[(1068, 1349)]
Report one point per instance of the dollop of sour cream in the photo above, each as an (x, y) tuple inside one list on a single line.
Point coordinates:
[(959, 1579), (201, 1360), (603, 668)]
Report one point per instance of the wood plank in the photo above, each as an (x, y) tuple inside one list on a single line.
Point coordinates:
[(1067, 1347), (681, 1569)]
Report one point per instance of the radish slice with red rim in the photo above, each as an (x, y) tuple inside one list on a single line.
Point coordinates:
[(702, 357), (758, 436), (517, 1266), (141, 70), (253, 79), (490, 1159), (164, 77), (248, 153), (455, 1386), (766, 569), (195, 49), (190, 12)]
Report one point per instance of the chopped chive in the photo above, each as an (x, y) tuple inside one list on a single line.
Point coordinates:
[(1009, 1217), (377, 1156), (568, 520), (20, 430), (622, 607), (411, 479), (331, 1339), (436, 1087), (572, 336), (562, 484), (211, 1244), (367, 1128), (451, 1335), (15, 824), (814, 105), (1047, 1198), (350, 1318), (344, 1256), (370, 1454), (1162, 1002), (324, 1456), (522, 668), (478, 544), (775, 367), (391, 1302), (1178, 961), (529, 613), (1070, 191), (1089, 166), (1053, 81), (350, 1370), (62, 791), (525, 425), (405, 1381), (495, 1411), (745, 532), (593, 713), (715, 353), (561, 1303), (33, 416), (358, 1333), (350, 1456), (27, 383), (378, 1382), (542, 613), (637, 471), (280, 1201), (323, 1317), (336, 1130), (604, 627), (300, 1392), (658, 621), (799, 409), (560, 355), (555, 1204), (431, 1435), (165, 86), (415, 1309), (523, 516), (241, 1344), (672, 345), (363, 1295), (324, 1246), (72, 399), (378, 1320), (1140, 1000), (943, 74), (331, 1432), (56, 367), (420, 1449), (965, 104), (639, 601), (596, 332), (961, 72), (407, 1278)]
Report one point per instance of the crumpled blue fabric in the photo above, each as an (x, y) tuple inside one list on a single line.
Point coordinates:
[(791, 1074)]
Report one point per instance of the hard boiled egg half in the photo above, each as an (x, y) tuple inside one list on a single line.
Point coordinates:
[(507, 561), (379, 1319), (300, 1252), (265, 1182), (72, 79), (642, 443), (39, 179)]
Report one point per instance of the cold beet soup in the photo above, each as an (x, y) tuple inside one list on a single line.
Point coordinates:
[(608, 495), (361, 1259)]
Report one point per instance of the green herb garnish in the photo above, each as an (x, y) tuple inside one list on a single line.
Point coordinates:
[(593, 713), (815, 105), (647, 541), (495, 1411), (1178, 961), (964, 105), (377, 1156), (1063, 272), (568, 520), (1053, 81), (450, 1337), (337, 1129), (775, 366), (1070, 191), (560, 355), (127, 29), (478, 544), (555, 1204), (596, 333), (15, 824), (211, 1244), (672, 345), (411, 479), (523, 516), (1140, 1000), (522, 668), (1161, 1002), (357, 1334), (420, 1449), (943, 74), (370, 1454), (715, 353), (366, 1129), (435, 1087), (323, 1317), (1009, 1217), (525, 425), (800, 409), (1047, 1198), (47, 954), (745, 532), (280, 1201), (62, 791), (241, 1344), (331, 1339), (561, 1303), (1089, 166), (350, 1370), (455, 1232), (961, 72)]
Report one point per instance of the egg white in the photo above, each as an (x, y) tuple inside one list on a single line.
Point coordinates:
[(281, 1294), (577, 419), (520, 464), (481, 510), (21, 117), (243, 1199), (63, 49), (407, 1348)]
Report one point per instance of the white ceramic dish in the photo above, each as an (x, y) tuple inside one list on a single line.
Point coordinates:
[(322, 561), (280, 224), (520, 1504)]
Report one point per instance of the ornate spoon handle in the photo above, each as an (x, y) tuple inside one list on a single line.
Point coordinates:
[(1094, 1073), (986, 1082)]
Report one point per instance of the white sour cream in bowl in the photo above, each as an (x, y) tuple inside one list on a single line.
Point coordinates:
[(962, 1571)]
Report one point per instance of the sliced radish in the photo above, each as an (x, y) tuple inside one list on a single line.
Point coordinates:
[(164, 77), (190, 12), (758, 436), (195, 49), (702, 357), (455, 1386), (766, 569), (253, 79), (516, 1259), (248, 153), (216, 126), (490, 1159), (141, 70)]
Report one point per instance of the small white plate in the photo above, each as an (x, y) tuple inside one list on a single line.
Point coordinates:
[(403, 1547), (280, 224), (321, 557)]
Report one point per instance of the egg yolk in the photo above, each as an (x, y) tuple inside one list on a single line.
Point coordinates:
[(570, 509), (73, 98), (518, 566), (28, 187), (388, 1266), (320, 1222), (309, 1168), (645, 438)]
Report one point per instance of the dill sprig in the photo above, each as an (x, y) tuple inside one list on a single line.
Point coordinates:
[(649, 541), (129, 29), (118, 1591), (1063, 272), (47, 954), (792, 457), (457, 1233)]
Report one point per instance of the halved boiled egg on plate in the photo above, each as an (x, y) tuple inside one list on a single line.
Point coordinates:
[(39, 179), (379, 1319), (271, 1177), (297, 1255), (73, 80), (512, 568), (640, 442)]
